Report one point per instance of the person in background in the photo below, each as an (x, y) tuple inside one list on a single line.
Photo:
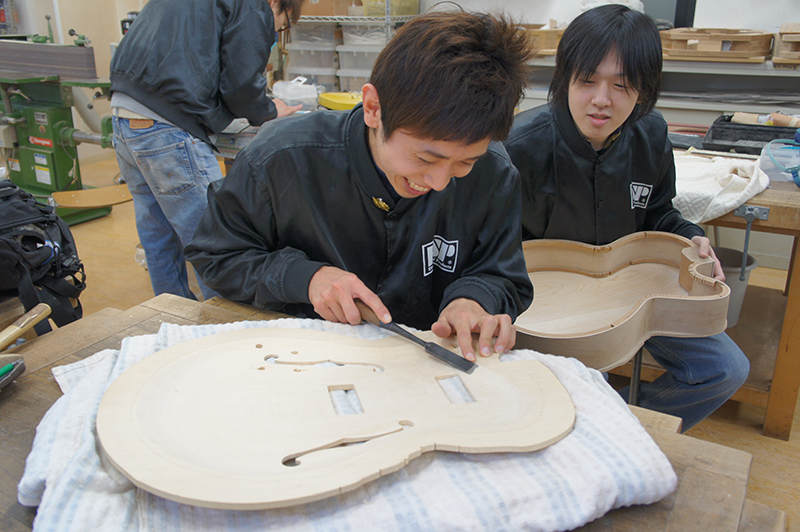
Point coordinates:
[(182, 72), (406, 202), (596, 164)]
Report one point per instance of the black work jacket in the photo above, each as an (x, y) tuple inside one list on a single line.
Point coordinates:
[(572, 192), (198, 63), (305, 193)]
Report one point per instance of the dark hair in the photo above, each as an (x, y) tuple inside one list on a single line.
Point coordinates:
[(592, 35), (452, 76), (292, 8)]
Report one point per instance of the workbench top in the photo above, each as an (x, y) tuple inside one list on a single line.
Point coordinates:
[(711, 493)]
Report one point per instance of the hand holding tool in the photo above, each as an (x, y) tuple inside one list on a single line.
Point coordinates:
[(434, 349)]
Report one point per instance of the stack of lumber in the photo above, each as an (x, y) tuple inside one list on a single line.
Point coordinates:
[(787, 45), (719, 45)]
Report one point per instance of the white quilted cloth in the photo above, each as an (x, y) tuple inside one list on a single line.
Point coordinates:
[(607, 461), (708, 188)]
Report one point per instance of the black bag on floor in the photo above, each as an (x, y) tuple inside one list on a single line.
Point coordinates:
[(38, 258)]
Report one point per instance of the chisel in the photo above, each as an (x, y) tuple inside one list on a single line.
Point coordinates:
[(434, 349)]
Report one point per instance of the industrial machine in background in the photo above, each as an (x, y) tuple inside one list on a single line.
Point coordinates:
[(40, 82)]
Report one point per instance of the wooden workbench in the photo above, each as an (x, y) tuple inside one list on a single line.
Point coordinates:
[(775, 369), (783, 200), (712, 478)]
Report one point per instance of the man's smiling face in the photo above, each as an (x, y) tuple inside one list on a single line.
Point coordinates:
[(415, 166)]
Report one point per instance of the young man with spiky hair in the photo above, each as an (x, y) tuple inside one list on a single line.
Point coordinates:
[(597, 165), (407, 202)]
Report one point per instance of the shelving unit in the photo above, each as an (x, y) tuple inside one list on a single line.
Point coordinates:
[(352, 78), (699, 92)]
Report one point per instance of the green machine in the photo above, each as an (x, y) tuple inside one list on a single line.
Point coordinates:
[(39, 81)]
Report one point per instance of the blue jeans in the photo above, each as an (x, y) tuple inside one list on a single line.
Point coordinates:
[(702, 373), (168, 172)]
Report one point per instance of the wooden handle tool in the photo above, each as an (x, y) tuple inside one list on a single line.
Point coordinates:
[(19, 327), (458, 362)]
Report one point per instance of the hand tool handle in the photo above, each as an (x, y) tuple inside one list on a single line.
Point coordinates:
[(22, 325), (368, 315)]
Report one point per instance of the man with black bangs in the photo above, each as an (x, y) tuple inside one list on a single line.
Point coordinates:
[(597, 165)]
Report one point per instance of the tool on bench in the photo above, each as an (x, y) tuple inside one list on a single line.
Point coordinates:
[(458, 362), (12, 366)]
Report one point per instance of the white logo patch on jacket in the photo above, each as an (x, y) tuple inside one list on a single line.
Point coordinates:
[(640, 195), (439, 252)]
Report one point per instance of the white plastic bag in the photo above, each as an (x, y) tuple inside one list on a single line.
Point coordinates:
[(780, 160)]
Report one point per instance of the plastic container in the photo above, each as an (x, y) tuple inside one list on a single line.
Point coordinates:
[(731, 260), (296, 92), (398, 8), (303, 55), (324, 78), (353, 80), (314, 33), (357, 57), (364, 34), (780, 160), (724, 135)]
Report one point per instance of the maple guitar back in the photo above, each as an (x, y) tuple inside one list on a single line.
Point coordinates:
[(246, 420), (601, 303)]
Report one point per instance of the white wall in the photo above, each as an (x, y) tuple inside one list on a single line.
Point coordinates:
[(737, 14)]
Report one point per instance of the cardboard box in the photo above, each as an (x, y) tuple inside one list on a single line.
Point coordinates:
[(325, 8)]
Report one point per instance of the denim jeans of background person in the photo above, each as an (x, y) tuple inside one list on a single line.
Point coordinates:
[(168, 172), (702, 373)]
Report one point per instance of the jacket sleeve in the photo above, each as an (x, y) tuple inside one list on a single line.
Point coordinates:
[(236, 248), (661, 214), (496, 276), (244, 52)]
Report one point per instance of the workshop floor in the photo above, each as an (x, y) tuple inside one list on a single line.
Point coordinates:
[(114, 279)]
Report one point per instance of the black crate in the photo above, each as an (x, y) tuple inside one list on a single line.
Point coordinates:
[(742, 138)]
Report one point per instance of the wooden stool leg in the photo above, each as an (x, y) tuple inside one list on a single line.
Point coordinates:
[(636, 374)]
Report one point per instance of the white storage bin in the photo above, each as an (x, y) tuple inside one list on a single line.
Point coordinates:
[(297, 92), (364, 34), (302, 55), (353, 80), (315, 33), (355, 57), (324, 78)]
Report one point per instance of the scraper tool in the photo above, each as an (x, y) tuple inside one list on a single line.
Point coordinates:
[(434, 349)]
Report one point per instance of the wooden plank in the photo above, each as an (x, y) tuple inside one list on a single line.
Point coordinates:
[(755, 59), (656, 421), (157, 407), (49, 348), (200, 313), (757, 517), (783, 200), (92, 198), (786, 379), (22, 404), (707, 501)]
